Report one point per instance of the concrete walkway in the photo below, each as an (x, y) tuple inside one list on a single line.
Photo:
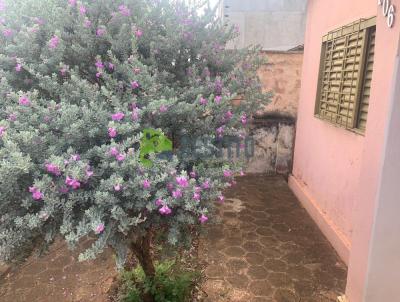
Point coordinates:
[(267, 248)]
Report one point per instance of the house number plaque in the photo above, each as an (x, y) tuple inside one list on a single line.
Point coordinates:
[(388, 11)]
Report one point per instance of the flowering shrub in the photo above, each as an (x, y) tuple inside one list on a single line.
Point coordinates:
[(80, 83)]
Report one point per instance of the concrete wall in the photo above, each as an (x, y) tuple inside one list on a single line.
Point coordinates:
[(336, 173), (282, 76), (274, 127), (274, 24)]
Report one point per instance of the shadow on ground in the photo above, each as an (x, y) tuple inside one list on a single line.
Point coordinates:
[(267, 248)]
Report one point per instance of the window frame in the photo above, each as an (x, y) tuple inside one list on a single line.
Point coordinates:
[(364, 27)]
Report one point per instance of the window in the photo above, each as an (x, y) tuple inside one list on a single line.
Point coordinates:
[(345, 75)]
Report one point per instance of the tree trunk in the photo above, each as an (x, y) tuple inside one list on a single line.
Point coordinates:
[(142, 251)]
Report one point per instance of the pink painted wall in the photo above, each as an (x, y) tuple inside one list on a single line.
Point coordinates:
[(327, 159), (386, 50), (337, 170)]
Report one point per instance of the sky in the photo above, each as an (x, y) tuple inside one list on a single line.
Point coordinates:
[(213, 2)]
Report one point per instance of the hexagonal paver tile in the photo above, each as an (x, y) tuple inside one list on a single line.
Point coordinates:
[(275, 265), (233, 241), (260, 288), (252, 246), (255, 258), (215, 271), (236, 266), (234, 251), (257, 272), (238, 281)]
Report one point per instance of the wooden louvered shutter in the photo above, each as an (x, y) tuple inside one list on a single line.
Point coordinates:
[(366, 88), (343, 58)]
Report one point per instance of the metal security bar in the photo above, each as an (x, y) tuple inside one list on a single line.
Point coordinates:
[(343, 58)]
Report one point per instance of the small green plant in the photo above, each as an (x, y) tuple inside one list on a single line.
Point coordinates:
[(170, 284)]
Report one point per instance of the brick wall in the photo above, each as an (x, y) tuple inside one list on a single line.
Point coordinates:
[(273, 129)]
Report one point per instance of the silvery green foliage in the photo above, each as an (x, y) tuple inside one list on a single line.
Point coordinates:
[(70, 168)]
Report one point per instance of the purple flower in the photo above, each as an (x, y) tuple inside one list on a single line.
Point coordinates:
[(220, 131), (244, 119), (159, 202), (18, 67), (177, 194), (136, 70), (206, 72), (182, 181), (2, 131), (82, 10), (2, 6), (135, 114), (7, 33), (99, 228), (196, 196), (242, 173), (24, 101), (98, 75), (117, 116), (120, 157), (218, 99), (75, 157), (135, 84), (117, 187), (165, 210), (193, 174), (54, 41), (203, 101), (138, 33), (218, 86), (87, 23), (100, 32), (112, 132), (12, 117), (227, 173), (203, 219), (53, 169), (124, 10), (197, 189), (206, 185), (63, 71), (221, 198), (163, 108), (99, 64), (89, 172), (111, 66), (146, 184), (170, 187), (63, 190), (74, 183), (72, 2), (228, 115), (36, 194), (114, 151)]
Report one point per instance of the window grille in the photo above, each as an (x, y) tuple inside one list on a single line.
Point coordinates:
[(345, 74)]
